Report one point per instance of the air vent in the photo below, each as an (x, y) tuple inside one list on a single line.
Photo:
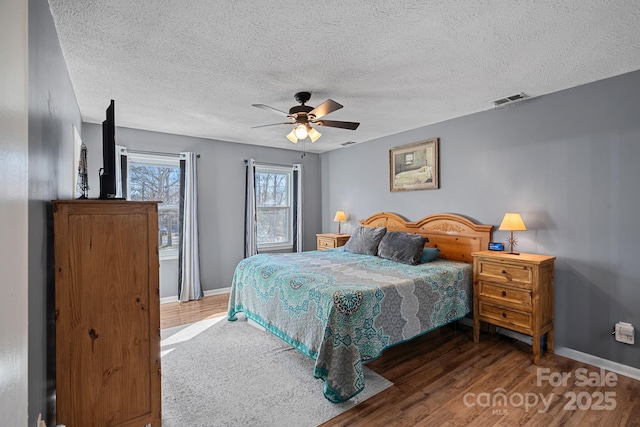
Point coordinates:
[(344, 144), (510, 99)]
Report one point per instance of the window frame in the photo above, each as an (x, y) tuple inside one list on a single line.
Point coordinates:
[(157, 160), (288, 171)]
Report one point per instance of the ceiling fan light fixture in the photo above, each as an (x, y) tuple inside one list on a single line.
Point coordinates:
[(314, 135), (292, 136), (304, 116), (301, 131)]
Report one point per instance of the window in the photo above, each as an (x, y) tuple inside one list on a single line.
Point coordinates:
[(408, 159), (274, 207), (157, 178)]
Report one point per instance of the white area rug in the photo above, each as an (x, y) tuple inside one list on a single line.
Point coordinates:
[(221, 373)]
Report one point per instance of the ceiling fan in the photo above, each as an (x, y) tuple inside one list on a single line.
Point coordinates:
[(304, 116)]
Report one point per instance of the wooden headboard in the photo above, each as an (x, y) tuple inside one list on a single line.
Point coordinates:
[(455, 235)]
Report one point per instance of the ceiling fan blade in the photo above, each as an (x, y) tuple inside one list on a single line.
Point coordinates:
[(272, 124), (337, 124), (273, 110), (328, 106)]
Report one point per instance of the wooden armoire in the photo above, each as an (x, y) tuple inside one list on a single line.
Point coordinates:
[(107, 309)]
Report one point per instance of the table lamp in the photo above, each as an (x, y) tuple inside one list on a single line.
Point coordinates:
[(512, 221), (339, 218)]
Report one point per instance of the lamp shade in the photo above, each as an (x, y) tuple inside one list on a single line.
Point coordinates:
[(512, 221), (314, 134), (340, 217), (292, 136)]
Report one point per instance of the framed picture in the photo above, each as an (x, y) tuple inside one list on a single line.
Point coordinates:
[(414, 166), (77, 143)]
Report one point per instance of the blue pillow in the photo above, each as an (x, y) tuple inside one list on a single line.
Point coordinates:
[(429, 254)]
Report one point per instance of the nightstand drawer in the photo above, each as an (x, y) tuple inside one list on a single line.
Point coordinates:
[(326, 243), (329, 241), (513, 274), (504, 316), (504, 294)]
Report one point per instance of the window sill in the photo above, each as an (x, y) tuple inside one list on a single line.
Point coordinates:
[(168, 256), (275, 248)]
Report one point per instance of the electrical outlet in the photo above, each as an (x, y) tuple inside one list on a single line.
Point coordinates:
[(624, 332)]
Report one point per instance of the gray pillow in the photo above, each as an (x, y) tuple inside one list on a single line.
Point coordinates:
[(365, 240), (402, 247)]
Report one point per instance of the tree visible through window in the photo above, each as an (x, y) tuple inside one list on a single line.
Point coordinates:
[(273, 207), (158, 182)]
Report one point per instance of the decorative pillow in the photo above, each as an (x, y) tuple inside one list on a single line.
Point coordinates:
[(402, 247), (365, 240), (429, 254)]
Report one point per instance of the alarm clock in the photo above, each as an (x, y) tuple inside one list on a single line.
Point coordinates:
[(495, 246)]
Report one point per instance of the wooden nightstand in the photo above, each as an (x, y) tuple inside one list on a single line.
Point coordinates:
[(514, 292), (330, 241)]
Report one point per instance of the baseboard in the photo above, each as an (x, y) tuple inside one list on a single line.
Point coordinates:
[(217, 291), (174, 298), (598, 362)]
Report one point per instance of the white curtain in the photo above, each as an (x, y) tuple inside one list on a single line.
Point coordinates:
[(297, 207), (189, 286), (250, 223), (121, 167)]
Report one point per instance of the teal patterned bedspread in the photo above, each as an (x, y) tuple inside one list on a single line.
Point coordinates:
[(343, 309)]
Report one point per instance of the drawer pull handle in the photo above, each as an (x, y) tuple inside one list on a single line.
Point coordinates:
[(504, 314), (508, 276), (504, 293)]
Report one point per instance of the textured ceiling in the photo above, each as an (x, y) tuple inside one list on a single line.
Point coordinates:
[(194, 67)]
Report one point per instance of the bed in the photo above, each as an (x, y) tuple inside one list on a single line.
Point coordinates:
[(343, 309), (412, 177)]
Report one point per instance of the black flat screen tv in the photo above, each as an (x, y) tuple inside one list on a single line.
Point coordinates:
[(108, 171)]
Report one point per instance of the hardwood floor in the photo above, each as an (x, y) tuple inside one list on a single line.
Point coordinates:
[(444, 379), (181, 313)]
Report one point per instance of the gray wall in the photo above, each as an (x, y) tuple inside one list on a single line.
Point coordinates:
[(221, 184), (53, 111), (13, 213), (568, 162), (169, 278)]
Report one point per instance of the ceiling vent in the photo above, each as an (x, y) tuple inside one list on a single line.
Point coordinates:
[(510, 99), (344, 144)]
